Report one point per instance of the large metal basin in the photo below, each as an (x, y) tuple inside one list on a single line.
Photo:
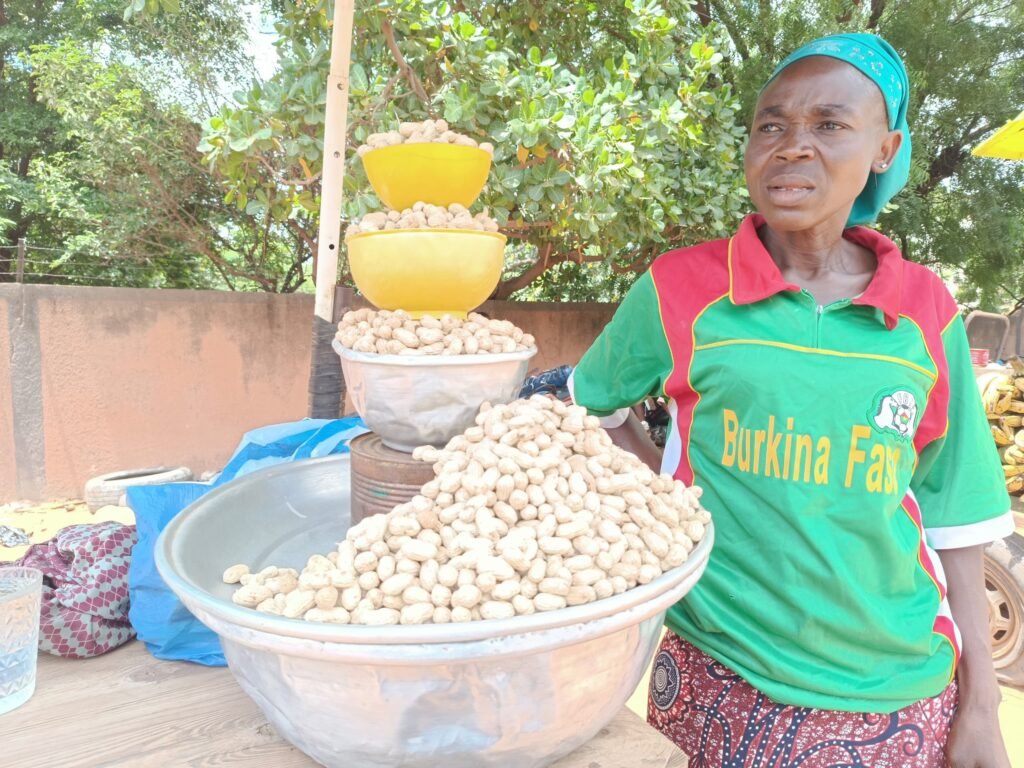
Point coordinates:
[(515, 693)]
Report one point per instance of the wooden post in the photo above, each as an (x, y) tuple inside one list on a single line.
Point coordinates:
[(326, 385), (19, 269)]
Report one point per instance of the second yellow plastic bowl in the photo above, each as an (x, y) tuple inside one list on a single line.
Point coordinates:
[(427, 271), (439, 174)]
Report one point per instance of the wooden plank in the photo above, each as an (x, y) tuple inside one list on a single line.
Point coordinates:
[(128, 710), (626, 741)]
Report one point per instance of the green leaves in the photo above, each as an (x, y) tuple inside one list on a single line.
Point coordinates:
[(113, 183), (590, 159), (151, 7)]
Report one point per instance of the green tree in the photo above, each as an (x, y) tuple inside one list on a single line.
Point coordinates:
[(98, 133), (619, 125), (616, 138)]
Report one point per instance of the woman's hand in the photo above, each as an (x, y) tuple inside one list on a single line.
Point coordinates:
[(975, 741), (632, 436)]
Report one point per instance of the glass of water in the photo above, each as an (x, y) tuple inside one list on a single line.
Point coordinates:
[(20, 594)]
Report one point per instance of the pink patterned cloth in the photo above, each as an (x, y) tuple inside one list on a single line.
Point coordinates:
[(85, 588), (721, 721)]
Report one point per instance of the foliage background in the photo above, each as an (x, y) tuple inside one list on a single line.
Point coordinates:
[(619, 129)]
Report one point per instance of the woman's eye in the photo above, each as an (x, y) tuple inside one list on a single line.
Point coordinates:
[(828, 125), (769, 128)]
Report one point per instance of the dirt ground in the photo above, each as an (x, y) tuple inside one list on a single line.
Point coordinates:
[(40, 522)]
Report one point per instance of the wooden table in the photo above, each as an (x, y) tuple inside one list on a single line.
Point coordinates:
[(128, 710)]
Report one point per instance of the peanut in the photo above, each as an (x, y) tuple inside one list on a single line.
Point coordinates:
[(234, 574), (530, 509)]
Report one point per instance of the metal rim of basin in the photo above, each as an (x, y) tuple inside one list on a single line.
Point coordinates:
[(424, 361)]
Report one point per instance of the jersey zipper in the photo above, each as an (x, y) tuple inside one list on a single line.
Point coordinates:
[(819, 314)]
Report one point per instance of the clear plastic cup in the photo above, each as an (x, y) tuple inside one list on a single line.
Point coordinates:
[(20, 594)]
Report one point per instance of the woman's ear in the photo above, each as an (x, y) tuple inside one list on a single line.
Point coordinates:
[(890, 147)]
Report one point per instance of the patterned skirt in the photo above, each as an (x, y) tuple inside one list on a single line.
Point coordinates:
[(720, 721)]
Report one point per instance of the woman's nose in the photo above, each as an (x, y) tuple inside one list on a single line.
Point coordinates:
[(795, 146)]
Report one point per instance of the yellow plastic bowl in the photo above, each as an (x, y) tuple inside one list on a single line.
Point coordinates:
[(439, 174), (427, 271)]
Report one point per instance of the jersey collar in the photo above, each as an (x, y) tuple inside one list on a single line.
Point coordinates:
[(754, 276)]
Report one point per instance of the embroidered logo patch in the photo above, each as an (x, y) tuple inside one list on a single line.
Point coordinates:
[(895, 412), (664, 681)]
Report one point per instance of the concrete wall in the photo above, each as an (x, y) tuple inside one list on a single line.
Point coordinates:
[(94, 380)]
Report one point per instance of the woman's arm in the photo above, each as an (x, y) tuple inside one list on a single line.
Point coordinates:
[(975, 740), (632, 437)]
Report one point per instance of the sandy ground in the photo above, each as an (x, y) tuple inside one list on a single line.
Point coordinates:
[(42, 521)]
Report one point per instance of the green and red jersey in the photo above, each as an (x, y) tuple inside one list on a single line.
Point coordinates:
[(838, 447)]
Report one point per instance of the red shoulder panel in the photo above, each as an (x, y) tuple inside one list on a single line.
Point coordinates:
[(927, 303), (687, 281)]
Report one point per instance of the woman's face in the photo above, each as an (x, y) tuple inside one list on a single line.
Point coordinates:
[(819, 129)]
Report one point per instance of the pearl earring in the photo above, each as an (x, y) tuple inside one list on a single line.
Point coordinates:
[(883, 165)]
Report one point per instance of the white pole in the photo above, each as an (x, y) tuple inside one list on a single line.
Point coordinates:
[(326, 386)]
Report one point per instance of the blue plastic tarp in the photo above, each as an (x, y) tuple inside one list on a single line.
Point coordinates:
[(162, 622)]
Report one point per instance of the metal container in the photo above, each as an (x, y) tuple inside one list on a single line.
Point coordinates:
[(383, 478), (517, 693), (427, 400)]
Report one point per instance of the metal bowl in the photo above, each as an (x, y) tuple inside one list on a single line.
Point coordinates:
[(518, 692), (427, 400)]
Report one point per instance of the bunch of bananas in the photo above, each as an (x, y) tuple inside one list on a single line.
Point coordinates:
[(1003, 395)]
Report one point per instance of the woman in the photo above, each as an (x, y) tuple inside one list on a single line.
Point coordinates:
[(822, 396)]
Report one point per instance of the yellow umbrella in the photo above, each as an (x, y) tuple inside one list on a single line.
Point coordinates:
[(1007, 143)]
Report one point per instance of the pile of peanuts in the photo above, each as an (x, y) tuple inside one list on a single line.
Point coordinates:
[(427, 132), (423, 216), (532, 509), (395, 333)]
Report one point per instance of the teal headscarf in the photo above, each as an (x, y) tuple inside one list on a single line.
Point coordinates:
[(882, 65)]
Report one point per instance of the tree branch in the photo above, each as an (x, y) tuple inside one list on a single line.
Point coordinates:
[(951, 157), (729, 23), (507, 287), (385, 95), (700, 7), (403, 65), (287, 286), (527, 225), (303, 235), (224, 275), (877, 9), (638, 261)]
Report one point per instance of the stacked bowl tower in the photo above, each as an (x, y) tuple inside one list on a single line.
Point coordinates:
[(452, 631), (424, 275)]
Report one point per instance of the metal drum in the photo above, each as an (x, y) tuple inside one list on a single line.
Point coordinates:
[(383, 478)]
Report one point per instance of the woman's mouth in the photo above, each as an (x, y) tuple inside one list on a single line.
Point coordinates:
[(788, 194)]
